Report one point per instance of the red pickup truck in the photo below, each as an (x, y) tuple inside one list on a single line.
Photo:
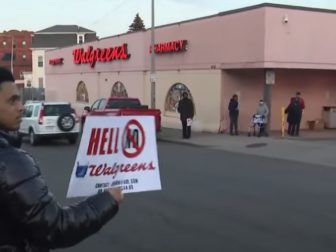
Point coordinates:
[(119, 106)]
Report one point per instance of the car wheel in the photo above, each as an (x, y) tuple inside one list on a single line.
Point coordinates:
[(66, 122), (33, 139)]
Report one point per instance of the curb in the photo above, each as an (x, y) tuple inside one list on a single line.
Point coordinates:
[(182, 143)]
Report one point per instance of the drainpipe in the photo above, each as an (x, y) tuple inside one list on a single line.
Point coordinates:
[(268, 83)]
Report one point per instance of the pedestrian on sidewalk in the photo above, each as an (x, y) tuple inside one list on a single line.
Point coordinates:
[(85, 113), (186, 110), (294, 113), (30, 218), (233, 113), (263, 111)]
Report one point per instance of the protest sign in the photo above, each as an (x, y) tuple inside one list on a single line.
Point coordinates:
[(116, 151)]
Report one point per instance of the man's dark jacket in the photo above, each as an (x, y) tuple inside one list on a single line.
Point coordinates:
[(233, 107), (30, 218), (185, 108)]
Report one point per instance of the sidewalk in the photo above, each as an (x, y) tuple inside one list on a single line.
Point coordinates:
[(315, 147)]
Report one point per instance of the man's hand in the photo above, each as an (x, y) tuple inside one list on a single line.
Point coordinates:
[(117, 194)]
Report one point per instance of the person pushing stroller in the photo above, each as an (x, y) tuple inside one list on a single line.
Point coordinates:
[(260, 119), (262, 110)]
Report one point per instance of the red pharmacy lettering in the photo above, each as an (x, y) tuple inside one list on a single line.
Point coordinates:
[(169, 47)]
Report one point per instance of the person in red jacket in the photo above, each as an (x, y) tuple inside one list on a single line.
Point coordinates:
[(294, 114), (31, 220)]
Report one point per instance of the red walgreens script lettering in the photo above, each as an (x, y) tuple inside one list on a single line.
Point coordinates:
[(91, 55), (103, 141), (105, 170)]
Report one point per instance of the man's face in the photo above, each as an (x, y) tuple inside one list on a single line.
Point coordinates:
[(10, 106)]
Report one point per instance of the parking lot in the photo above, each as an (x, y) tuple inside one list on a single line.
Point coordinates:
[(212, 199)]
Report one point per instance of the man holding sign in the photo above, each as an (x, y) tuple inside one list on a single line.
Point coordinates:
[(116, 151), (186, 110), (30, 218)]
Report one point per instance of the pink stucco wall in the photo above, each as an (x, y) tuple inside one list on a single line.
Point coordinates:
[(226, 39), (318, 89), (211, 42), (254, 38), (248, 85), (307, 40)]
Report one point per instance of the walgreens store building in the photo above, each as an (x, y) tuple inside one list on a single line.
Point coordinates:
[(266, 50)]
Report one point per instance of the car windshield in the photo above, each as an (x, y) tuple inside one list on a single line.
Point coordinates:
[(57, 109), (120, 103)]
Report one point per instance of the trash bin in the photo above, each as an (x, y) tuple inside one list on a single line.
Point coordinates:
[(329, 116)]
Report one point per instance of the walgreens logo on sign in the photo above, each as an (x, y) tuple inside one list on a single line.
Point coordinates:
[(91, 56)]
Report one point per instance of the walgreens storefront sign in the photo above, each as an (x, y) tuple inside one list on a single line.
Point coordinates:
[(92, 55)]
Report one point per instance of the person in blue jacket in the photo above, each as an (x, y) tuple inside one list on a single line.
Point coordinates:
[(233, 113)]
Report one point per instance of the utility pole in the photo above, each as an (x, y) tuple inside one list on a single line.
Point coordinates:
[(152, 62), (12, 56)]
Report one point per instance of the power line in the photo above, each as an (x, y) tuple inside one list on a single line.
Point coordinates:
[(108, 13)]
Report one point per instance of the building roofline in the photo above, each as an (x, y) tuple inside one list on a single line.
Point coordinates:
[(78, 32), (273, 5), (229, 12)]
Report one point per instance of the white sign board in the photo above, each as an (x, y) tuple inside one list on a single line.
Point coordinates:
[(116, 151), (189, 121), (270, 77)]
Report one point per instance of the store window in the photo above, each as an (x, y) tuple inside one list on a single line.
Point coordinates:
[(80, 39), (174, 95), (24, 43), (24, 56), (4, 43), (40, 61), (40, 82), (119, 90), (82, 93)]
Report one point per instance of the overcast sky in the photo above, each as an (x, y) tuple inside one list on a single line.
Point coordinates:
[(111, 17)]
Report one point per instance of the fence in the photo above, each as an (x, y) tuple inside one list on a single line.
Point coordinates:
[(32, 94)]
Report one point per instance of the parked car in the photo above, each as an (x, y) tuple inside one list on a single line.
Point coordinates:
[(118, 106), (42, 119)]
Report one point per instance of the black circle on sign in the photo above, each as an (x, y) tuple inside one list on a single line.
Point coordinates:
[(127, 130)]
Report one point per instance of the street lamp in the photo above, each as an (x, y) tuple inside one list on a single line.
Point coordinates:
[(12, 56), (152, 65)]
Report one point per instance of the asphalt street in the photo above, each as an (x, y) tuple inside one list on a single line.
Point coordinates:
[(212, 200)]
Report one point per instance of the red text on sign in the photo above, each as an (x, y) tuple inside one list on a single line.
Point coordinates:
[(170, 47), (106, 170), (103, 141)]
